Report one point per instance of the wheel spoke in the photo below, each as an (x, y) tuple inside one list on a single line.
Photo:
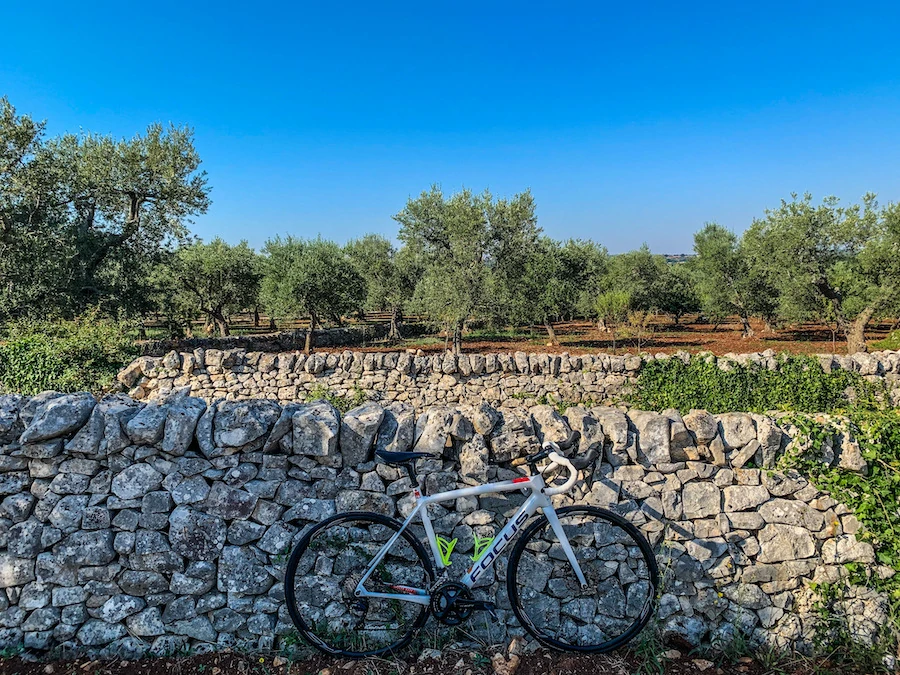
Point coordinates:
[(618, 566), (324, 572)]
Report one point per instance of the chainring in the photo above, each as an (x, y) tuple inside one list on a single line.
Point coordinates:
[(443, 603)]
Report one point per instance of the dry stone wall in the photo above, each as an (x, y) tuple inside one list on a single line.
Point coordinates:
[(503, 379), (286, 340), (129, 527)]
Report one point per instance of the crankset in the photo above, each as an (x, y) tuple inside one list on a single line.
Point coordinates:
[(452, 603)]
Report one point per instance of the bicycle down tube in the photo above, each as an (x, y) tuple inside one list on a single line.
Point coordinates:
[(536, 500)]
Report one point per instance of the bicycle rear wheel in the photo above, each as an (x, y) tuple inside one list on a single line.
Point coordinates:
[(325, 569), (618, 565)]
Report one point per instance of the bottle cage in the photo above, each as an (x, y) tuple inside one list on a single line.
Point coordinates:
[(446, 548), (482, 544)]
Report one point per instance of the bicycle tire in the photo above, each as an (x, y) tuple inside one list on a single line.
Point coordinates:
[(309, 632), (542, 634)]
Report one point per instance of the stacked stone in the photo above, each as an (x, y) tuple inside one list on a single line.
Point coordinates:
[(510, 380), (329, 338), (129, 527)]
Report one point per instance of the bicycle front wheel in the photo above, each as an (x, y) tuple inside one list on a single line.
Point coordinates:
[(618, 565), (326, 567)]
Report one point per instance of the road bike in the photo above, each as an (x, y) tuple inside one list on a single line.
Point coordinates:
[(579, 578)]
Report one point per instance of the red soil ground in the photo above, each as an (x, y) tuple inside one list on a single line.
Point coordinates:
[(581, 337)]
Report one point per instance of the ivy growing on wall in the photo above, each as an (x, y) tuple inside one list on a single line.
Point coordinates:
[(798, 383), (874, 497)]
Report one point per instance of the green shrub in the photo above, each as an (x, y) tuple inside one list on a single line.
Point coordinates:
[(892, 341), (80, 355), (799, 384), (343, 403)]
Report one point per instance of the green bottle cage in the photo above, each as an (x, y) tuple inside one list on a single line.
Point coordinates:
[(445, 548), (482, 544)]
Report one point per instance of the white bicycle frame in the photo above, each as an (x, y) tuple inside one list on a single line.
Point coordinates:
[(539, 499)]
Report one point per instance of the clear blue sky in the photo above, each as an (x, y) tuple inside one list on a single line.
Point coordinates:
[(630, 122)]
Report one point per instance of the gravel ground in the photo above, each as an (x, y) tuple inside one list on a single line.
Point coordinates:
[(431, 662)]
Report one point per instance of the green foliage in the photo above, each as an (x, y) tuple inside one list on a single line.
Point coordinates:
[(80, 355), (830, 262), (640, 274), (650, 648), (84, 217), (214, 279), (343, 403), (390, 275), (472, 248), (891, 342), (799, 383), (874, 496), (309, 277), (611, 308), (678, 295), (557, 280), (726, 281)]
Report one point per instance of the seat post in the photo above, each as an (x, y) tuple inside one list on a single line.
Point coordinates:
[(411, 470)]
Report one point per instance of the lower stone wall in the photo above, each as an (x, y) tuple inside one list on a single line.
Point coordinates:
[(128, 528)]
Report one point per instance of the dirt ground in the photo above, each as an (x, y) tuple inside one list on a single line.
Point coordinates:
[(451, 662), (582, 337)]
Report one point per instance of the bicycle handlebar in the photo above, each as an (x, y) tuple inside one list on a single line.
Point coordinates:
[(549, 450), (558, 460)]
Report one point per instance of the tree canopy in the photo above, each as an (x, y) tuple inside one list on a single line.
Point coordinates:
[(309, 277), (93, 223), (830, 262), (215, 278), (468, 245), (390, 275), (83, 216), (724, 279)]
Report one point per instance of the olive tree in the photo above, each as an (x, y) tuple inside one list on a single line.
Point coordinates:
[(468, 245), (677, 294), (726, 282), (89, 214), (216, 279), (390, 276), (612, 309), (309, 277), (543, 293), (555, 280), (830, 262), (640, 274)]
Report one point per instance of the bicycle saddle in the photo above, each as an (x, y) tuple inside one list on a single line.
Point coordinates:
[(400, 457)]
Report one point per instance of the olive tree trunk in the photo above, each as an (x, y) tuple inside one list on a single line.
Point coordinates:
[(394, 331), (310, 334), (855, 331), (551, 333)]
